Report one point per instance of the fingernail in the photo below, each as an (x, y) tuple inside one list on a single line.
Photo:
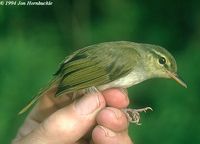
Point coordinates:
[(117, 113), (107, 132), (88, 103)]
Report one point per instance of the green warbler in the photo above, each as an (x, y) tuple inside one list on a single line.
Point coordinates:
[(119, 64)]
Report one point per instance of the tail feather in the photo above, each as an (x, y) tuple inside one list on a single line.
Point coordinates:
[(34, 100), (37, 97)]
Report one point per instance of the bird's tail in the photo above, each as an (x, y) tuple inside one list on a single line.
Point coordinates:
[(37, 97), (34, 100)]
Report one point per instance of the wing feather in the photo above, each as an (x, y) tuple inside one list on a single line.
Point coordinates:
[(93, 67)]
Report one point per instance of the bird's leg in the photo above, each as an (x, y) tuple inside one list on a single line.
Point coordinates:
[(133, 115), (89, 90), (92, 89), (74, 95)]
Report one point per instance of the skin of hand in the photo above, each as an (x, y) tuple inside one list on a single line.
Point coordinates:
[(94, 118)]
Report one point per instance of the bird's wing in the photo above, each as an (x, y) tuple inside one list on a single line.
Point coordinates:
[(94, 67)]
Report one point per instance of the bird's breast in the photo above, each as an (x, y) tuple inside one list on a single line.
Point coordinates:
[(131, 79)]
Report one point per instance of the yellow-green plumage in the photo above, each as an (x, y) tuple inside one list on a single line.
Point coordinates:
[(96, 65), (112, 64)]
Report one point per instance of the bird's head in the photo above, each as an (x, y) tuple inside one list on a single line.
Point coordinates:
[(160, 63)]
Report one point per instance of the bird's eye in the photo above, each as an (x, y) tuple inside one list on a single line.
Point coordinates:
[(162, 60)]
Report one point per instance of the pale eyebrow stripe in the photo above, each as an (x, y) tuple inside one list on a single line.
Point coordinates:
[(158, 53)]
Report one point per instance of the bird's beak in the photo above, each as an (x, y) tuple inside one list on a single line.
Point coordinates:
[(177, 78)]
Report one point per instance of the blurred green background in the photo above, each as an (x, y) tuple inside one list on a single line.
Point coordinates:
[(35, 39)]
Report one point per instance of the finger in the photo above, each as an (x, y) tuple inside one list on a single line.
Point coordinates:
[(48, 104), (116, 97), (113, 119), (41, 110), (103, 135), (70, 123)]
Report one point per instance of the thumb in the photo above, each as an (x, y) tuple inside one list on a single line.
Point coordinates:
[(70, 123)]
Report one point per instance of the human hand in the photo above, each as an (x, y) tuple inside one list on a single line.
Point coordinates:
[(86, 120)]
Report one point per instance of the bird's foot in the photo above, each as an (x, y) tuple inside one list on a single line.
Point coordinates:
[(133, 115)]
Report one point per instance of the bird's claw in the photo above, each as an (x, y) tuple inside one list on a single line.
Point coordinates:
[(133, 115)]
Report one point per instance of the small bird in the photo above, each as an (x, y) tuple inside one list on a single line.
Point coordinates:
[(118, 64)]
